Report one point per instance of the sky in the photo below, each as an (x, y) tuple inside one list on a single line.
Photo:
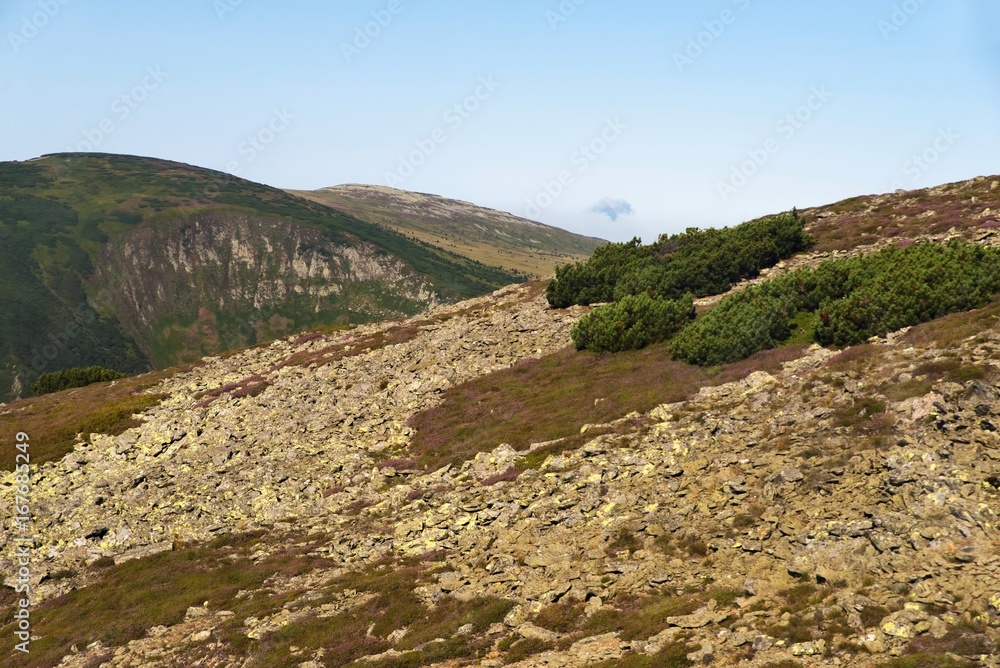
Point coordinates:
[(612, 119)]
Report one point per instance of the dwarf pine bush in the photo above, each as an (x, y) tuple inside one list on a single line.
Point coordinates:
[(69, 378), (851, 300), (634, 322), (701, 262)]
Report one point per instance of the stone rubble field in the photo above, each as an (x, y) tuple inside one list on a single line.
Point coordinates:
[(766, 506)]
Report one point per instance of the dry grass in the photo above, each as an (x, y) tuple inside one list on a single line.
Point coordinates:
[(551, 398), (640, 618), (861, 220), (673, 655), (952, 329), (54, 420), (127, 600), (391, 605), (248, 387)]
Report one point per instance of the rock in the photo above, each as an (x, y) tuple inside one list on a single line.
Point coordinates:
[(801, 565), (696, 620), (596, 649), (875, 643), (791, 475), (196, 613), (812, 648), (703, 655), (529, 630)]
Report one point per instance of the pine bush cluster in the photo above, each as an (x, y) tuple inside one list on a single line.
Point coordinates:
[(845, 301), (701, 262), (633, 322), (70, 378)]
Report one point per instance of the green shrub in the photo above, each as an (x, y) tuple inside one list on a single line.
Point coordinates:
[(57, 381), (852, 299), (702, 262), (738, 327), (903, 287), (594, 281), (632, 323)]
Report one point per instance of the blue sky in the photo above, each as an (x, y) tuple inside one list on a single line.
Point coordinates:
[(692, 114)]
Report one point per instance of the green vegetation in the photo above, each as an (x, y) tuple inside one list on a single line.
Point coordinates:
[(702, 262), (541, 400), (53, 421), (634, 322), (62, 216), (66, 379), (137, 595), (852, 300), (840, 303)]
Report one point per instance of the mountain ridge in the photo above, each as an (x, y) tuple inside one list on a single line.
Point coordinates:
[(139, 261), (489, 235)]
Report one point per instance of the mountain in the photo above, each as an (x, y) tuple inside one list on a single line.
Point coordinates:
[(495, 238), (132, 262), (463, 488)]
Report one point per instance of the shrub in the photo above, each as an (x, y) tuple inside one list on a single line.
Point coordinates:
[(57, 381), (703, 262), (853, 300), (738, 327), (594, 281), (632, 323)]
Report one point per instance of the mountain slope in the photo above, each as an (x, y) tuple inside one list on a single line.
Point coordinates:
[(968, 207), (492, 237), (126, 262), (831, 508), (463, 488)]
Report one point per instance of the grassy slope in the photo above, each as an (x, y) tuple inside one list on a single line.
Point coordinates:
[(114, 610), (58, 212), (492, 237), (858, 221)]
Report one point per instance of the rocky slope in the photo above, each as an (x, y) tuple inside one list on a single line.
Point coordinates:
[(493, 237), (839, 510)]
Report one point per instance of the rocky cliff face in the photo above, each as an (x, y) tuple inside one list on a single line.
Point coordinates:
[(221, 279), (840, 511)]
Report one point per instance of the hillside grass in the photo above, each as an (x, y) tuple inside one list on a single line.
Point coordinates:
[(461, 228), (859, 221), (123, 602), (540, 400), (54, 421)]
